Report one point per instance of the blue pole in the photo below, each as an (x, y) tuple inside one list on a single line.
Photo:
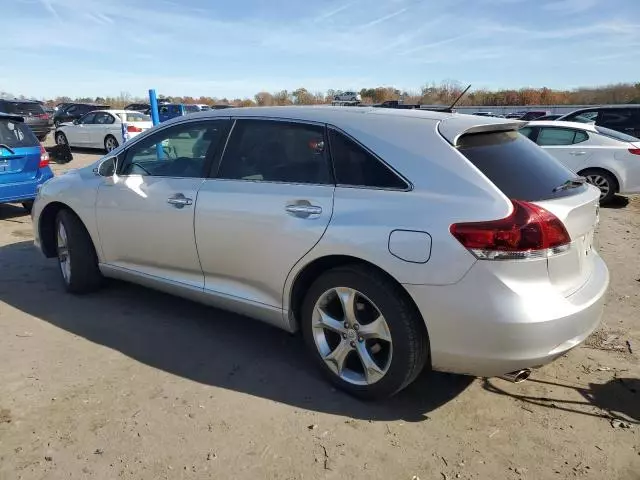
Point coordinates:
[(153, 100), (155, 119)]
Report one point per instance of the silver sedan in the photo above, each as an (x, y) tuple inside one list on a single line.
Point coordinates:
[(394, 240)]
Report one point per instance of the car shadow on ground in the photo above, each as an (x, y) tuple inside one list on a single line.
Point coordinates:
[(618, 399), (200, 343), (618, 201), (12, 211)]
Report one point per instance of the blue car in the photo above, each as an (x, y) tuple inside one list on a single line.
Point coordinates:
[(24, 163), (167, 111)]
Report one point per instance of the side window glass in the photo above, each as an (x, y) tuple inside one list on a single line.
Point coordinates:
[(271, 151), (555, 136), (584, 117), (526, 131), (88, 119), (617, 119), (179, 151), (354, 166), (103, 118), (580, 136)]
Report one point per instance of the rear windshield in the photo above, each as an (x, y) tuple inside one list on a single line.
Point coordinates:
[(517, 166), (138, 117), (607, 132), (15, 134), (22, 108)]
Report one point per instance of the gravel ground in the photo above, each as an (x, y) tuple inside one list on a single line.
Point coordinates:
[(130, 383)]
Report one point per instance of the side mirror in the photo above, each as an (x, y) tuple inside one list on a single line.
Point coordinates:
[(75, 122), (107, 167)]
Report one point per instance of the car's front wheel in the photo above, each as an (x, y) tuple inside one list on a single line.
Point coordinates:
[(61, 139), (76, 255), (363, 332)]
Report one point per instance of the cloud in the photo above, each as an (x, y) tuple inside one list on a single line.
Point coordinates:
[(335, 11), (570, 6), (384, 18)]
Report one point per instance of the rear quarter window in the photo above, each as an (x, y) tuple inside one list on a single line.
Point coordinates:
[(518, 167), (16, 135)]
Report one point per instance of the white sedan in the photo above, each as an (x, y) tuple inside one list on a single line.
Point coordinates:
[(105, 129), (608, 159)]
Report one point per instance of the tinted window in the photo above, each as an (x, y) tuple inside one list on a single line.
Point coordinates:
[(616, 119), (522, 170), (560, 136), (22, 108), (607, 132), (527, 132), (104, 118), (270, 151), (137, 117), (356, 167), (89, 118), (583, 117), (178, 151), (15, 135)]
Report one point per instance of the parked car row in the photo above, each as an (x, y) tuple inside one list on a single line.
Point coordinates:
[(32, 112), (394, 242)]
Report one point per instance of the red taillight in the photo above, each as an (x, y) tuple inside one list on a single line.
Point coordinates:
[(44, 157), (634, 151), (133, 129), (529, 232), (43, 116)]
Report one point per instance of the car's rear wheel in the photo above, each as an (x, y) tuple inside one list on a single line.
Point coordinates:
[(28, 205), (605, 181), (110, 143), (76, 255), (363, 332), (61, 139)]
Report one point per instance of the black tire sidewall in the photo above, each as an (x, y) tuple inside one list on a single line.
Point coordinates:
[(398, 313)]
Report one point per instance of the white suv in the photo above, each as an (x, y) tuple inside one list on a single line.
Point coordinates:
[(393, 239)]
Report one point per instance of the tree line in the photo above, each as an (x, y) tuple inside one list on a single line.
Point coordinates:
[(430, 94)]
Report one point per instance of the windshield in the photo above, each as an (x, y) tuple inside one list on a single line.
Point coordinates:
[(14, 134), (607, 132)]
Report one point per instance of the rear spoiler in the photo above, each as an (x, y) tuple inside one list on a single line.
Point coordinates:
[(454, 128), (11, 116)]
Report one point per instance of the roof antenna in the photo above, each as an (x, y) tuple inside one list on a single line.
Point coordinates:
[(450, 109)]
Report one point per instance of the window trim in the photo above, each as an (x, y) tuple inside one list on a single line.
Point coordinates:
[(218, 163), (209, 157), (409, 185)]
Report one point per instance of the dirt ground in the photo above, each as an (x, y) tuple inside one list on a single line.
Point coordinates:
[(130, 383)]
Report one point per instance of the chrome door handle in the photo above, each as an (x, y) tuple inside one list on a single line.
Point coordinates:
[(577, 153), (179, 200), (302, 210)]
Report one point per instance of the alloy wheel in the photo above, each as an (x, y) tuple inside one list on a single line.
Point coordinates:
[(61, 139), (600, 182), (111, 144), (64, 258), (352, 336)]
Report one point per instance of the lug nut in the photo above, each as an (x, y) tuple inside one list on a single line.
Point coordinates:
[(346, 325), (353, 344), (344, 335), (356, 327)]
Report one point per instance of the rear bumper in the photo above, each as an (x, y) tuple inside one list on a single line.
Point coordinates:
[(484, 327), (24, 191)]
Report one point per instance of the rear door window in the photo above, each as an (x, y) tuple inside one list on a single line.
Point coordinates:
[(550, 136), (14, 134), (521, 169)]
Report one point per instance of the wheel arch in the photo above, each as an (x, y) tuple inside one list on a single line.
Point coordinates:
[(47, 227), (305, 277)]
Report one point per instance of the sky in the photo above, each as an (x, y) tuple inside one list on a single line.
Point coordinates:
[(236, 48)]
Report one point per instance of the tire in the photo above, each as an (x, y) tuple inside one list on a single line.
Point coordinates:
[(398, 361), (605, 181), (28, 205), (79, 270), (56, 123), (110, 143), (61, 139)]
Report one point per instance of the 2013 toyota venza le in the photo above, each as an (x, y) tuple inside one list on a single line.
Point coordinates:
[(393, 240)]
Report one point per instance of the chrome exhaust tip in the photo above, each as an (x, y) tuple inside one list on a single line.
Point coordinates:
[(518, 376)]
